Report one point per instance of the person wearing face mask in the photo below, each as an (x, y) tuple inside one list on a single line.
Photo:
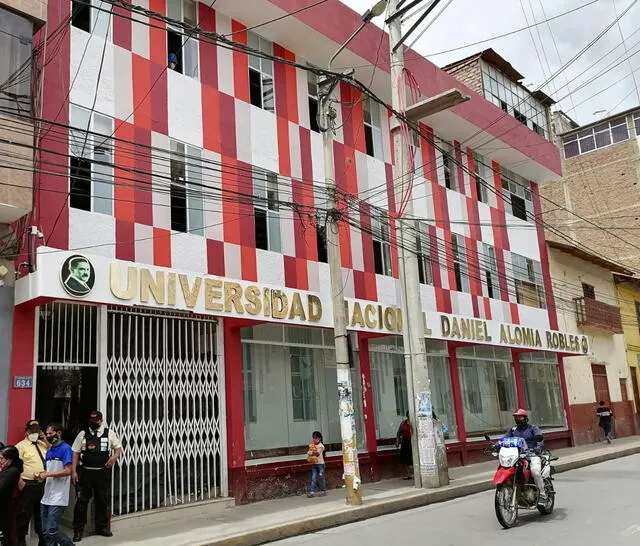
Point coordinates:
[(95, 451), (32, 451), (10, 470), (57, 478)]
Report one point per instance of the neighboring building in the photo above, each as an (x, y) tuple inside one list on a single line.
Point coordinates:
[(594, 204), (491, 76), (19, 91), (629, 297), (183, 293), (586, 300)]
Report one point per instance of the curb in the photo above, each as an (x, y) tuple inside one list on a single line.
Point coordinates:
[(346, 515)]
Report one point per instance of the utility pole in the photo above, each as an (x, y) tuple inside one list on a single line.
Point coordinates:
[(351, 468), (429, 456)]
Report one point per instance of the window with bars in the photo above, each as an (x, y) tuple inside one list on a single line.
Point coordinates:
[(528, 282), (91, 161), (372, 129), (489, 270), (450, 171), (588, 291), (381, 244), (92, 16), (423, 253), (187, 205), (460, 263), (517, 194), (483, 177), (182, 48), (261, 85), (594, 138), (266, 208)]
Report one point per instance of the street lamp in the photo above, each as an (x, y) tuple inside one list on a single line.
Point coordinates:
[(327, 114)]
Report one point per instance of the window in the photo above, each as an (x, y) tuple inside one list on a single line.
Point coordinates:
[(372, 130), (517, 195), (187, 207), (527, 278), (490, 270), (91, 161), (519, 116), (266, 210), (94, 19), (423, 253), (483, 176), (638, 319), (249, 377), (488, 386), (450, 172), (599, 136), (400, 387), (303, 384), (588, 291), (312, 93), (542, 390), (321, 224), (15, 63), (636, 122), (261, 88), (460, 263), (381, 244), (181, 48)]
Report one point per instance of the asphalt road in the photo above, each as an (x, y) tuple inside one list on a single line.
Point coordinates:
[(595, 506)]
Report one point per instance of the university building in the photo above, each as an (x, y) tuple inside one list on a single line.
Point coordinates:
[(182, 286)]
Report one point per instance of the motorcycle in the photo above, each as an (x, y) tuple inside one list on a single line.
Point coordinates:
[(515, 487)]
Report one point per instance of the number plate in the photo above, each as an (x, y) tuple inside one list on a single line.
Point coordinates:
[(22, 382)]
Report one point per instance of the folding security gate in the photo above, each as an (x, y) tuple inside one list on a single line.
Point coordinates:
[(163, 399)]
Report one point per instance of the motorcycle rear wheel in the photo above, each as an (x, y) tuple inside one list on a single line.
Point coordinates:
[(551, 498), (507, 517)]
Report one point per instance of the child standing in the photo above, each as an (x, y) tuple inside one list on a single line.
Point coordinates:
[(315, 456)]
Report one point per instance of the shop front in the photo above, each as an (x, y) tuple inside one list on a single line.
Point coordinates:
[(216, 385)]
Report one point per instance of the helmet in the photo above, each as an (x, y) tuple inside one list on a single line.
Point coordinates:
[(521, 413), (521, 417)]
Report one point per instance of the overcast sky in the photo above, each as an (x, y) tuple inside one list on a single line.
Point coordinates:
[(468, 21)]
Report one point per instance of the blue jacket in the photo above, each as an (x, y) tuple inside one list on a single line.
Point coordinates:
[(528, 434)]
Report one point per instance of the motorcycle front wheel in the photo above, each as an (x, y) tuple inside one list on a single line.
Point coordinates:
[(507, 516), (551, 498)]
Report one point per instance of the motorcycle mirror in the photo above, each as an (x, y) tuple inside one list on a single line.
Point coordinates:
[(486, 437)]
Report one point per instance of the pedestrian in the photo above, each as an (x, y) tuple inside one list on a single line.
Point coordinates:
[(95, 451), (605, 414), (10, 470), (315, 455), (57, 476), (32, 451), (403, 441)]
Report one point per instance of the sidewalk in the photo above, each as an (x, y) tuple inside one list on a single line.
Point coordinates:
[(270, 520)]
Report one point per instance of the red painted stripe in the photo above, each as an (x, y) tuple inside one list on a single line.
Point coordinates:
[(461, 185), (141, 78), (158, 35), (368, 406), (159, 100), (359, 285), (487, 308), (284, 154), (227, 125), (208, 51), (144, 183), (249, 263), (124, 189), (290, 272), (502, 273), (161, 247), (515, 313), (280, 84), (231, 207), (302, 274), (121, 27), (292, 88), (211, 121), (125, 241), (215, 257), (240, 64)]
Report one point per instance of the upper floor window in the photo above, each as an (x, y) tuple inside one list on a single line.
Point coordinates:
[(588, 291), (517, 195), (424, 255), (312, 94), (182, 49), (15, 63), (187, 207), (92, 16), (450, 172), (600, 136), (483, 176), (460, 263), (489, 270), (91, 161), (261, 89), (266, 210), (527, 279), (381, 244), (636, 122), (638, 320), (372, 129)]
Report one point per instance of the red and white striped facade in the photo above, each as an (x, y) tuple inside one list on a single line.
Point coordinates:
[(150, 105)]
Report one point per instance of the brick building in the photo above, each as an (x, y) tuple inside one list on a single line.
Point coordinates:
[(183, 287)]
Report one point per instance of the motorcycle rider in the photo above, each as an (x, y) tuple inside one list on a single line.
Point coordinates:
[(533, 436)]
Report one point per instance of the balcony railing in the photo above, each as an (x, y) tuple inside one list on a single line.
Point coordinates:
[(596, 315)]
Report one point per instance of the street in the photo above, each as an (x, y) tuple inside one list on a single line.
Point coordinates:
[(594, 505)]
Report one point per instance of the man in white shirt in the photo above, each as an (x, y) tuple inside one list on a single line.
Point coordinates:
[(95, 451), (58, 461)]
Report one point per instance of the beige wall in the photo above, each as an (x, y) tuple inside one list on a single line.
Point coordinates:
[(568, 273), (16, 185), (33, 9)]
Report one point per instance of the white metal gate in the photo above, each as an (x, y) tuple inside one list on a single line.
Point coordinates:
[(164, 400)]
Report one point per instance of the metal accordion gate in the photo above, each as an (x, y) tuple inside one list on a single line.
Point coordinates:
[(164, 400)]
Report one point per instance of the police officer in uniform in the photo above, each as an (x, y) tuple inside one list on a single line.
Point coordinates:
[(95, 451)]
